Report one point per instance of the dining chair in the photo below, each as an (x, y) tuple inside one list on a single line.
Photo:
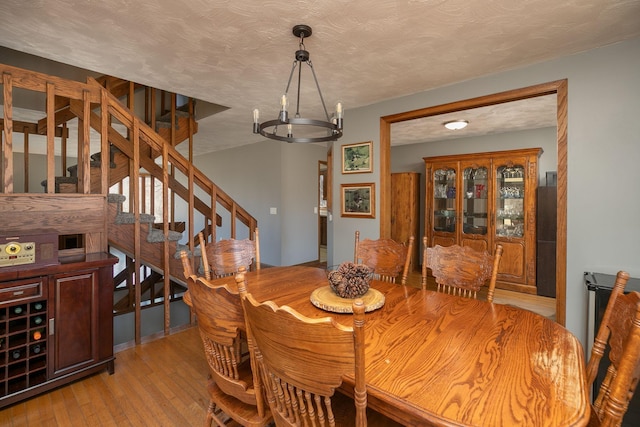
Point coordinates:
[(303, 362), (387, 257), (623, 373), (234, 386), (461, 270), (225, 257)]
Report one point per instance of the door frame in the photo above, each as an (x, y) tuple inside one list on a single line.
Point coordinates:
[(558, 87)]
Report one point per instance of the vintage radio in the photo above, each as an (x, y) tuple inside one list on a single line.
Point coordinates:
[(21, 251)]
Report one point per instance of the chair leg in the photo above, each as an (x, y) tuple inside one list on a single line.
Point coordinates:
[(211, 415), (215, 414)]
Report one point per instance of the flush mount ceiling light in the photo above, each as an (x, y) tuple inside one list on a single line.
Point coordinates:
[(297, 128), (456, 124)]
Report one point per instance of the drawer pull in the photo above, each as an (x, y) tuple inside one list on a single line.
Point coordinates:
[(18, 293)]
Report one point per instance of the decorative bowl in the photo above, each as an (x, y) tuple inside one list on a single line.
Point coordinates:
[(349, 280)]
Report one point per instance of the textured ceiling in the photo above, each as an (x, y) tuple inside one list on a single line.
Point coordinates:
[(238, 54)]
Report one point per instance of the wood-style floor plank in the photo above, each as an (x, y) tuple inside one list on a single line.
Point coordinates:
[(158, 383)]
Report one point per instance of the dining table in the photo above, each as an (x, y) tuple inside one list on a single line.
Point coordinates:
[(434, 359)]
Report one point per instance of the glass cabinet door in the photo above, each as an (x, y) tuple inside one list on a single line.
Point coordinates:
[(474, 203), (444, 203), (510, 191)]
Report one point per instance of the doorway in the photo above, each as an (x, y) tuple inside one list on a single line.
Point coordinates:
[(322, 210), (559, 88)]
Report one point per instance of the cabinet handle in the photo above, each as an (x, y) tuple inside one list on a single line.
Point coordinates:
[(51, 326)]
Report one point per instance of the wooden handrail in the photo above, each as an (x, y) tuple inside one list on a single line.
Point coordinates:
[(97, 108)]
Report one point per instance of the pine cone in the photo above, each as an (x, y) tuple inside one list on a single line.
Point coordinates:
[(350, 280)]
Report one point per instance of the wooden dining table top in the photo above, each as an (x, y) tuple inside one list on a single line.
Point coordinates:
[(437, 359)]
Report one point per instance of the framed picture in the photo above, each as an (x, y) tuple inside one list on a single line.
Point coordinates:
[(358, 200), (357, 158)]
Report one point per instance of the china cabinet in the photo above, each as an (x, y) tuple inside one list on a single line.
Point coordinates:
[(482, 199)]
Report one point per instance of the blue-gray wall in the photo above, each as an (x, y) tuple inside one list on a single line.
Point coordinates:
[(603, 230), (270, 174)]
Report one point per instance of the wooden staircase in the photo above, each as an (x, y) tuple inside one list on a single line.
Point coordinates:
[(79, 205), (151, 251), (174, 127)]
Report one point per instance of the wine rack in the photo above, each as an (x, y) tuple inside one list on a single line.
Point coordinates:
[(23, 345), (56, 325)]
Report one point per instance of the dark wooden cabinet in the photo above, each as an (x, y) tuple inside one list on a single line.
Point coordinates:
[(56, 325), (546, 241)]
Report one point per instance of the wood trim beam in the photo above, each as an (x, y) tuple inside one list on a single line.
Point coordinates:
[(558, 87)]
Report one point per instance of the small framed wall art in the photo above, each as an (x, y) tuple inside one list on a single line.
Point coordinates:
[(358, 200), (357, 158)]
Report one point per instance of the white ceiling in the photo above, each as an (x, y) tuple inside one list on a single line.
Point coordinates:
[(238, 53)]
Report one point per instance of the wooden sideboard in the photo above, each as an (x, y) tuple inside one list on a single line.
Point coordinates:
[(482, 199), (56, 325)]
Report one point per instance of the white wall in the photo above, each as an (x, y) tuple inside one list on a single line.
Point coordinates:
[(603, 229)]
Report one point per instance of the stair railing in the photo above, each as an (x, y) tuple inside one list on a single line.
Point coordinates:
[(84, 213)]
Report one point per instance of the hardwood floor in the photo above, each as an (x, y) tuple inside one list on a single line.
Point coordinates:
[(159, 383)]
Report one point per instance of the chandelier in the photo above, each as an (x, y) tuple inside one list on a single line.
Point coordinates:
[(297, 128)]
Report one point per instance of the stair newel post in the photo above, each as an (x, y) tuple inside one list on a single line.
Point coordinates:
[(165, 229), (191, 129), (173, 119), (214, 198), (135, 184), (191, 209), (104, 145), (51, 114), (85, 178), (25, 142), (7, 130)]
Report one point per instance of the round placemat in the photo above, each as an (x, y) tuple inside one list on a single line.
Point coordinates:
[(325, 299)]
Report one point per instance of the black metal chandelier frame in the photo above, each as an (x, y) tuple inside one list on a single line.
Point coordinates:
[(269, 128)]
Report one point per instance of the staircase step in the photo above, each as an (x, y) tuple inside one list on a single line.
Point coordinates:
[(156, 235), (98, 157), (64, 184), (130, 218), (180, 112), (73, 170)]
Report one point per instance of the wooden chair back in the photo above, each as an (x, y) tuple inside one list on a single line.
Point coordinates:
[(600, 341), (387, 257), (461, 270), (623, 373), (225, 257), (187, 270), (303, 360), (234, 385)]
